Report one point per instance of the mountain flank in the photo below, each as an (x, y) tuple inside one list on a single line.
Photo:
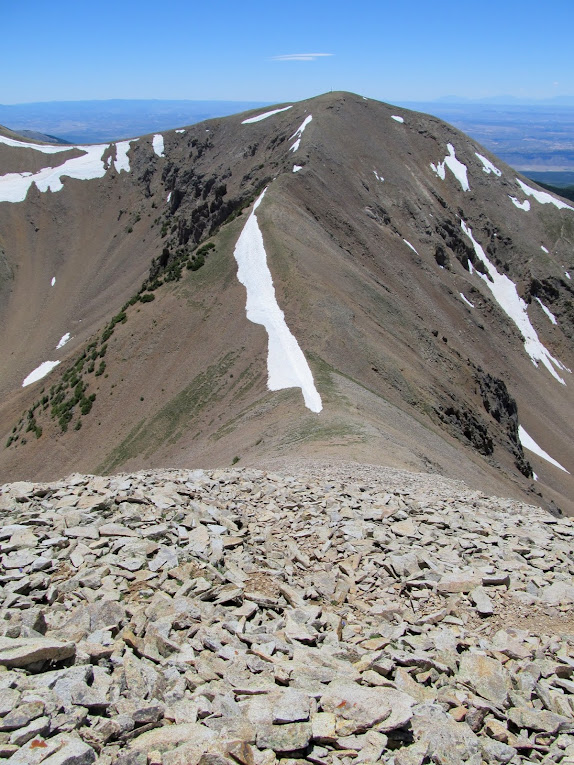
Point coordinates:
[(425, 283)]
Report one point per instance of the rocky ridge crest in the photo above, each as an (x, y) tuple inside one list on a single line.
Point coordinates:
[(241, 617)]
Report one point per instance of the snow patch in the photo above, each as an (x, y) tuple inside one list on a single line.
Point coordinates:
[(567, 275), (122, 160), (287, 367), (529, 443), (534, 476), (547, 311), (409, 245), (53, 281), (264, 115), (521, 205), (543, 248), (37, 147), (378, 177), (63, 340), (397, 118), (157, 144), (41, 371), (466, 300), (487, 166), (506, 295), (457, 168), (181, 130), (296, 168), (168, 197), (299, 132), (543, 197), (14, 186)]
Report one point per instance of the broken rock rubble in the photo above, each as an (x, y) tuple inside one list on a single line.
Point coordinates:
[(238, 617)]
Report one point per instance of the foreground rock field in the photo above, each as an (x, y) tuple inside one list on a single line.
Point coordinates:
[(241, 617)]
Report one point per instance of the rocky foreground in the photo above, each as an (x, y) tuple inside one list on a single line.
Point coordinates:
[(238, 617)]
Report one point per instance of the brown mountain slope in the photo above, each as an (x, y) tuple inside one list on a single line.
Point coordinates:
[(375, 277)]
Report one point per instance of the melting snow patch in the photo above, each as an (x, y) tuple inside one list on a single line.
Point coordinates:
[(521, 205), (14, 186), (567, 275), (529, 443), (37, 147), (507, 297), (157, 144), (296, 168), (487, 165), (547, 311), (53, 281), (264, 115), (122, 160), (543, 248), (410, 245), (466, 300), (41, 371), (534, 476), (299, 132), (378, 177), (287, 367), (181, 130), (63, 340), (543, 197), (168, 197), (397, 118), (457, 168)]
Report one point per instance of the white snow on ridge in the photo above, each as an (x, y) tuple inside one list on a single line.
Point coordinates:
[(181, 130), (397, 118), (299, 132), (457, 168), (547, 311), (409, 245), (296, 168), (37, 147), (487, 166), (466, 300), (53, 281), (506, 295), (40, 372), (567, 275), (264, 116), (168, 197), (63, 340), (287, 367), (543, 197), (529, 443), (157, 144), (122, 161), (521, 205)]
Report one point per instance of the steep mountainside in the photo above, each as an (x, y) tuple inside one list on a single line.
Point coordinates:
[(426, 292)]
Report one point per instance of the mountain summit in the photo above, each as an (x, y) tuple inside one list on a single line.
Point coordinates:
[(334, 278)]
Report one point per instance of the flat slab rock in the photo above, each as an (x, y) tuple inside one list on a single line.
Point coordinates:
[(21, 652)]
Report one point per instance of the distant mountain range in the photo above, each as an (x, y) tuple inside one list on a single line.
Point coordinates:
[(335, 278)]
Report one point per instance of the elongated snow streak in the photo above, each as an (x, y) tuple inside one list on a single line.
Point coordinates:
[(466, 300), (287, 367), (122, 160), (157, 144), (168, 197), (378, 177), (41, 371), (397, 118), (37, 147), (296, 168), (506, 295), (457, 168), (63, 340), (543, 197), (543, 248), (567, 275), (409, 245), (299, 132), (529, 443), (53, 282), (547, 311), (264, 116), (521, 205), (181, 130), (487, 166)]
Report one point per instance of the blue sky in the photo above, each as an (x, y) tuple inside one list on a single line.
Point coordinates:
[(385, 49)]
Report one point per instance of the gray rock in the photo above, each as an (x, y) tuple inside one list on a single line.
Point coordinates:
[(284, 738), (21, 652)]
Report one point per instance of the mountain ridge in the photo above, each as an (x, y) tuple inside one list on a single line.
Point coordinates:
[(369, 260)]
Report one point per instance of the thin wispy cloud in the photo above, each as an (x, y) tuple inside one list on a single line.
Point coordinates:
[(300, 56)]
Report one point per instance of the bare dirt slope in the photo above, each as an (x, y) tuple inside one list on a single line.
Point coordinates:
[(417, 364)]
